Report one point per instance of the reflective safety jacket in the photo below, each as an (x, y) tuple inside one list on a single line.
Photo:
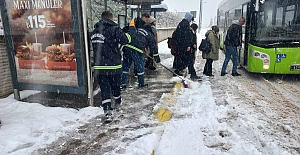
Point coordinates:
[(106, 38), (140, 39)]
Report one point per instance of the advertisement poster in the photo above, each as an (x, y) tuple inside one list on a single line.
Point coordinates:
[(43, 41)]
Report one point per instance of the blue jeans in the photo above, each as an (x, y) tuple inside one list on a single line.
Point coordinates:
[(138, 59), (230, 51)]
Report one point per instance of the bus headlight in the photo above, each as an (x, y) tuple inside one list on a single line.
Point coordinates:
[(266, 66), (264, 56), (266, 61)]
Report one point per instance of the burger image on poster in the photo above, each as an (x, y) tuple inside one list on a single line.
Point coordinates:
[(47, 23)]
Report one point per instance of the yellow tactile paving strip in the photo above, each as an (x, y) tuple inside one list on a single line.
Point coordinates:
[(163, 114)]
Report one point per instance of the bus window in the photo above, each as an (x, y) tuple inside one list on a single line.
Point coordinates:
[(269, 18), (279, 16), (289, 14), (278, 20), (231, 17), (238, 13), (221, 19), (245, 11), (226, 20)]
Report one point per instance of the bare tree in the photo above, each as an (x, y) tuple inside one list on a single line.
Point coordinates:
[(96, 7), (167, 19)]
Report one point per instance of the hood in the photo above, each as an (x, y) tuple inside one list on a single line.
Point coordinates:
[(151, 20), (209, 31), (105, 23), (236, 22), (188, 16)]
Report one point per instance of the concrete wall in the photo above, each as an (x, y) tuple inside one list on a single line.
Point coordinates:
[(164, 33), (5, 76)]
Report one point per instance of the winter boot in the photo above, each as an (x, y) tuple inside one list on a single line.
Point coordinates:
[(123, 86), (236, 74), (177, 72), (143, 86), (108, 115), (118, 103), (195, 77)]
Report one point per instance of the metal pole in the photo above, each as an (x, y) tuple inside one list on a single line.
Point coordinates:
[(17, 94), (86, 43), (105, 5), (91, 13), (200, 16), (126, 12)]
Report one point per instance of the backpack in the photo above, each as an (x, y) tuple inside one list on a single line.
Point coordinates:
[(172, 44), (205, 46)]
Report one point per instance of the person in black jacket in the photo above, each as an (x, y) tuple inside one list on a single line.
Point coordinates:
[(106, 37), (233, 41), (184, 40), (141, 37), (192, 52), (149, 62)]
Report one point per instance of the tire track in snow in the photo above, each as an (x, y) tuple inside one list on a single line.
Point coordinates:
[(277, 116)]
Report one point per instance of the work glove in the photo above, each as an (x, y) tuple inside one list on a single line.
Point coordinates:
[(157, 59)]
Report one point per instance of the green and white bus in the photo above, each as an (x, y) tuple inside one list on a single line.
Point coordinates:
[(271, 33)]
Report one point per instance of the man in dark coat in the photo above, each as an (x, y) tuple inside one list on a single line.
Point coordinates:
[(141, 37), (149, 62), (184, 40), (106, 38), (233, 41)]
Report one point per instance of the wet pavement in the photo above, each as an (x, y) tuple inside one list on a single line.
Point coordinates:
[(158, 81), (97, 137)]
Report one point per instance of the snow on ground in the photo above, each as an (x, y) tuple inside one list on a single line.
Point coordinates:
[(220, 115), (28, 126)]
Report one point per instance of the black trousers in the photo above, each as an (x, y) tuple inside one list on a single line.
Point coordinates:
[(208, 67), (109, 84), (192, 70), (185, 59), (176, 62)]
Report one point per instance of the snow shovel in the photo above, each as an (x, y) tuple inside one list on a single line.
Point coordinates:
[(185, 85)]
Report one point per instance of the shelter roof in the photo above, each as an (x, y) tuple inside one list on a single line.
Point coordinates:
[(138, 2)]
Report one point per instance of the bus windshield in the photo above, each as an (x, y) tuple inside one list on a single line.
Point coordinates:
[(278, 20)]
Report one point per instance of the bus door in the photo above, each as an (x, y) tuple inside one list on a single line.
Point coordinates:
[(246, 36), (226, 27)]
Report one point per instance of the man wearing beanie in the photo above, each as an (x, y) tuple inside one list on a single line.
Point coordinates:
[(149, 62), (141, 37), (184, 40)]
